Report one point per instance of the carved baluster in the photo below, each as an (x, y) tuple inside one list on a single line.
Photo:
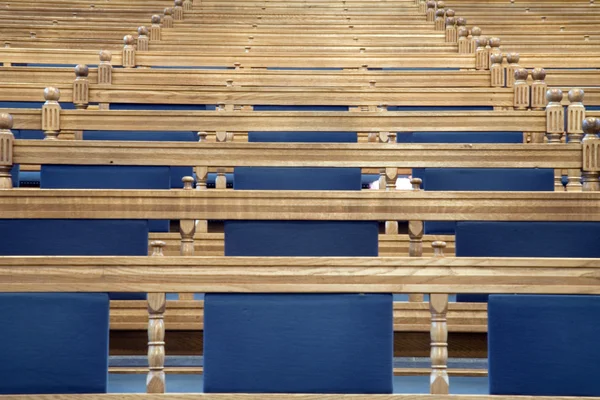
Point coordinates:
[(591, 155), (415, 235), (463, 42), (475, 36), (430, 13), (7, 141), (187, 230), (538, 89), (104, 68), (496, 70), (521, 98), (438, 306), (157, 303), (168, 18), (482, 54), (178, 10), (155, 29), (494, 48), (451, 36), (81, 87), (128, 52), (555, 115), (513, 65), (143, 39), (575, 115), (51, 113)]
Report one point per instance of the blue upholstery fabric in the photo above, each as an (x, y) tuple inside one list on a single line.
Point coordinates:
[(460, 137), (145, 106), (14, 175), (303, 137), (525, 239), (162, 136), (479, 179), (315, 343), (440, 108), (544, 345), (54, 343), (32, 104), (108, 177), (299, 108), (30, 237), (29, 134)]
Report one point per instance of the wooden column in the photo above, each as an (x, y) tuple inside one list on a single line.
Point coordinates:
[(157, 303), (155, 29), (538, 89), (415, 235), (143, 39), (7, 141), (521, 98), (128, 51), (591, 155), (187, 230), (51, 114), (438, 306), (496, 70), (81, 87)]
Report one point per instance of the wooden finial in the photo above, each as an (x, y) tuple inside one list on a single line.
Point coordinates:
[(575, 115), (438, 248), (155, 29), (157, 304), (460, 21), (104, 68), (81, 87), (496, 70), (482, 54), (143, 39), (475, 35), (416, 183), (555, 116), (463, 41), (51, 113), (450, 13), (521, 90), (157, 248), (128, 51), (590, 128), (450, 34), (538, 89), (438, 306), (430, 12), (237, 66), (168, 18), (7, 141), (513, 65), (178, 10)]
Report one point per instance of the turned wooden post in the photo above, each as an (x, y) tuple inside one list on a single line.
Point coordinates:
[(591, 155), (463, 42), (128, 51), (430, 13), (475, 35), (155, 29), (482, 54), (168, 18), (575, 115), (81, 87), (538, 89), (440, 19), (391, 176), (188, 5), (555, 116), (221, 180), (521, 99), (187, 230), (157, 303), (422, 7), (178, 10), (143, 39), (7, 141), (494, 43), (202, 178), (496, 70), (451, 36), (51, 114), (513, 65), (104, 68), (438, 306), (415, 235)]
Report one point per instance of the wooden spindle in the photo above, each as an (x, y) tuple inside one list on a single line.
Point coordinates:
[(7, 141), (430, 13), (451, 36), (155, 29), (128, 51), (575, 115), (178, 10), (482, 54), (438, 306), (513, 65), (591, 155), (555, 116), (143, 39), (475, 35), (521, 98), (539, 87), (104, 68), (496, 70), (187, 230), (81, 87), (51, 114), (157, 303), (415, 235), (168, 18)]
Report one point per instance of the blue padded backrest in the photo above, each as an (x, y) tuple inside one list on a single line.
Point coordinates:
[(143, 106), (14, 175), (525, 239), (460, 137), (163, 136), (440, 108), (544, 345), (299, 108), (315, 343), (76, 237), (32, 104), (479, 179), (108, 177), (54, 343), (303, 137)]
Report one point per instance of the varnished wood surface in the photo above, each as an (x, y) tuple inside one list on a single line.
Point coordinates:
[(299, 155)]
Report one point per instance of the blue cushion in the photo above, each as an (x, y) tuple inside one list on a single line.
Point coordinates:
[(440, 108), (525, 239), (32, 104), (299, 108), (461, 137), (108, 177), (169, 107), (303, 137), (307, 343), (479, 179), (544, 345), (76, 237), (54, 343), (162, 136)]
